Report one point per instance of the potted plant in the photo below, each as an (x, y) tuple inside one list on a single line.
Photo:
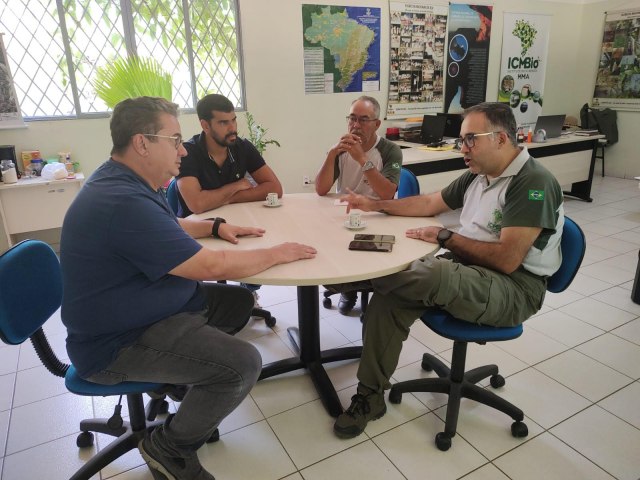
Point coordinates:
[(257, 135), (131, 77)]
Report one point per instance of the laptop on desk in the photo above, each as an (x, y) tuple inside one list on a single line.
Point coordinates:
[(432, 129), (552, 124), (452, 124)]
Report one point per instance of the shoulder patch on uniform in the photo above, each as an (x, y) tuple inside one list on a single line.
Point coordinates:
[(536, 195)]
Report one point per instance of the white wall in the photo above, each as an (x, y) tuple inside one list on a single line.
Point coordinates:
[(307, 125)]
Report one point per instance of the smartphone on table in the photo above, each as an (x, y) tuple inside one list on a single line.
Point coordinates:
[(363, 237), (369, 246)]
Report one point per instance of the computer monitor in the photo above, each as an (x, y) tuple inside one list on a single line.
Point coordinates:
[(551, 124), (452, 124), (432, 128)]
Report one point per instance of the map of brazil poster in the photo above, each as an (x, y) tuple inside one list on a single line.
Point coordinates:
[(341, 49)]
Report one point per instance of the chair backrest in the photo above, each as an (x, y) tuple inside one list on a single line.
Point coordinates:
[(573, 246), (408, 185), (172, 196), (30, 289)]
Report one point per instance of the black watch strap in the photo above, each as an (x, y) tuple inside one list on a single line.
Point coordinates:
[(216, 226)]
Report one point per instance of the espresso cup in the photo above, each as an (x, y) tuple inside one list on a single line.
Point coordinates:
[(272, 199), (355, 220)]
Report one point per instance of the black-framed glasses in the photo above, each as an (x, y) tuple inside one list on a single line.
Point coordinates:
[(469, 139), (360, 120), (176, 138)]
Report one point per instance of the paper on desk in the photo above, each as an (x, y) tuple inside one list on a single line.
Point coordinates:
[(443, 148)]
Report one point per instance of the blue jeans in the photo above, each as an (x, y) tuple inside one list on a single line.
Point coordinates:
[(195, 349)]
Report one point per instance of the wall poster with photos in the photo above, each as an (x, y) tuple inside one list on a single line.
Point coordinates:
[(418, 35), (618, 77)]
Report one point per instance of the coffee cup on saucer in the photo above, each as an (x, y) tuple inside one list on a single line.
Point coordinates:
[(355, 220), (272, 200)]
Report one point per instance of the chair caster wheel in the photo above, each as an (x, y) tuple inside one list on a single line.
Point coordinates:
[(395, 396), (84, 440), (270, 322), (519, 429), (215, 436), (326, 303), (497, 381), (426, 366), (443, 441)]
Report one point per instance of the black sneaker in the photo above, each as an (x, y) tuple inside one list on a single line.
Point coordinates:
[(163, 466), (363, 409), (347, 302)]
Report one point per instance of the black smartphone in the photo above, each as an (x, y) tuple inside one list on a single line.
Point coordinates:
[(370, 246), (364, 237)]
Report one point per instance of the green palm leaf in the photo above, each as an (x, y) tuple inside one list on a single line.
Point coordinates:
[(131, 77)]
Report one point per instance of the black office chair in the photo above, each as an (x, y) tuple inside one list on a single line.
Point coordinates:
[(33, 266), (407, 187), (459, 384), (173, 201)]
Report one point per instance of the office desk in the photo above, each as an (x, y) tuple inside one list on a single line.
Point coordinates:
[(317, 221), (35, 204), (570, 158)]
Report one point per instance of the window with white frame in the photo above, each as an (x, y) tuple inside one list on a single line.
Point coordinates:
[(56, 46)]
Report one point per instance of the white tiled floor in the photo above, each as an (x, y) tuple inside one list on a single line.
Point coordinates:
[(575, 372)]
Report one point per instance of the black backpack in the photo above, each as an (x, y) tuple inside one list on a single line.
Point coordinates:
[(604, 120)]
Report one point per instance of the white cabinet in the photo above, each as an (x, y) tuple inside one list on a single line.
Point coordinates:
[(36, 204)]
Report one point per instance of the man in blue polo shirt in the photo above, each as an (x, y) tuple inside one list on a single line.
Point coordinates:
[(132, 304)]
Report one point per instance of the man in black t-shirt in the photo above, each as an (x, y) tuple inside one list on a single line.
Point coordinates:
[(213, 172)]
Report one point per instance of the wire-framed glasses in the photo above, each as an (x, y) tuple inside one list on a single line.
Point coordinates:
[(360, 120), (176, 138), (469, 139)]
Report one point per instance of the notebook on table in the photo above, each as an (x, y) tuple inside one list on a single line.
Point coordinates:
[(552, 124), (432, 129)]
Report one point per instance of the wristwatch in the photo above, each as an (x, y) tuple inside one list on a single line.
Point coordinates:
[(216, 226), (368, 165), (443, 236)]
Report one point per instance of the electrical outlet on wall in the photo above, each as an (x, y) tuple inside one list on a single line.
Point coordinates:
[(306, 181)]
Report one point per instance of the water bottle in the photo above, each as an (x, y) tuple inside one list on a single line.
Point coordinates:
[(8, 169)]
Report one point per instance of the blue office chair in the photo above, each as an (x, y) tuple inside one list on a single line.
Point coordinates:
[(33, 266), (407, 187), (455, 381), (172, 196), (174, 203)]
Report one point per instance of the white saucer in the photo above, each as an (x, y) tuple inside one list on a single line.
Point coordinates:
[(362, 225), (271, 206)]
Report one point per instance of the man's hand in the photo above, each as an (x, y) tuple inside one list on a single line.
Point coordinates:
[(351, 144), (426, 234), (230, 233), (360, 202), (290, 252), (242, 184)]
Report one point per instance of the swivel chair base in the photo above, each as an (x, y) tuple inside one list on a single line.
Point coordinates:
[(459, 384)]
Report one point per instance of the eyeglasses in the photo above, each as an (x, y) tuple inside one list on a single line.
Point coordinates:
[(176, 138), (360, 120), (470, 139)]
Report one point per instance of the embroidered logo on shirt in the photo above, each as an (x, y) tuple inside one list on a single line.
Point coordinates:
[(536, 195), (496, 225)]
